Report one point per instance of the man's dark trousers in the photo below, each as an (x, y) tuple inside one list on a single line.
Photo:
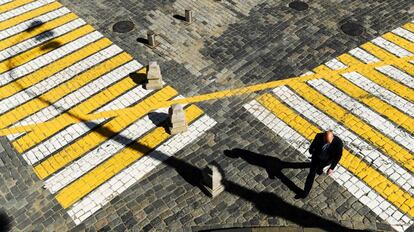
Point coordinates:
[(317, 166)]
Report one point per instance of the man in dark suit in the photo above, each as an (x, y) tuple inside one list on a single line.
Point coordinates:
[(326, 149)]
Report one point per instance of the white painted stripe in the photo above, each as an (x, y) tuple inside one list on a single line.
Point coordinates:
[(81, 94), (369, 116), (25, 25), (279, 127), (103, 152), (99, 197), (59, 141), (404, 34), (335, 64), (391, 47), (57, 79), (107, 149), (2, 2), (398, 75), (381, 92), (48, 58), (357, 145), (343, 177), (37, 40), (363, 55), (124, 101), (23, 9), (307, 73)]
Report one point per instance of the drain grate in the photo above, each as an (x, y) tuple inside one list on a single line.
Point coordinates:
[(123, 26), (352, 29), (299, 5)]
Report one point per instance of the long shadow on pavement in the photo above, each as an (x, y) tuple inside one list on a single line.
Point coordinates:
[(272, 165), (5, 222)]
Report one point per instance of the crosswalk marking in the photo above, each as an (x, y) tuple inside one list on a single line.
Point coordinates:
[(92, 140), (357, 145), (369, 175), (363, 112), (55, 72), (22, 41), (398, 75), (121, 181), (17, 32), (342, 176), (82, 186), (381, 92), (7, 67), (39, 134), (385, 81), (358, 126), (366, 96), (18, 15), (64, 66)]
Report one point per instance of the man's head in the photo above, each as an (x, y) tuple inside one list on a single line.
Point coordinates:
[(328, 136)]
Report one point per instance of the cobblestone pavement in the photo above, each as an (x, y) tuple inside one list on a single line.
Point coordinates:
[(86, 147)]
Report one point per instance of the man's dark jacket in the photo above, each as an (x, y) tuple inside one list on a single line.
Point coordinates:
[(334, 150)]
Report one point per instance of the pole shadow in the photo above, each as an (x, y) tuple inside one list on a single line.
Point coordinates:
[(272, 165)]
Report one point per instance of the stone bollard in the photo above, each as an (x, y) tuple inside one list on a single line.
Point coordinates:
[(178, 121), (154, 76), (188, 16), (151, 39), (211, 180)]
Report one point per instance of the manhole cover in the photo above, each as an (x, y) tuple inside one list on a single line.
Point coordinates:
[(299, 5), (123, 26), (353, 29)]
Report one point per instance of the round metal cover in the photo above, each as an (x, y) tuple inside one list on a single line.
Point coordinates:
[(299, 5), (352, 29), (123, 26)]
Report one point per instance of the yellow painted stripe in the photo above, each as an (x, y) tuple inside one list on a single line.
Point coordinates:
[(391, 59), (409, 26), (53, 95), (388, 146), (53, 68), (392, 113), (40, 133), (358, 167), (29, 15), (407, 45), (41, 49), (13, 4), (15, 39), (100, 135), (87, 183), (381, 79)]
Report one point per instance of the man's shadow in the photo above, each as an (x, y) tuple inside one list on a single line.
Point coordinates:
[(272, 165)]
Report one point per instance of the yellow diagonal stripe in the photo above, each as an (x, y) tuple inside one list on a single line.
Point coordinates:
[(29, 15), (388, 146), (393, 114), (92, 140), (409, 26), (53, 95), (387, 189), (41, 49), (402, 42), (37, 135), (13, 40), (87, 183), (381, 79), (13, 5), (385, 55), (51, 69)]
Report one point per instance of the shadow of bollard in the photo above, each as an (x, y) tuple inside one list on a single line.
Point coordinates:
[(5, 222)]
